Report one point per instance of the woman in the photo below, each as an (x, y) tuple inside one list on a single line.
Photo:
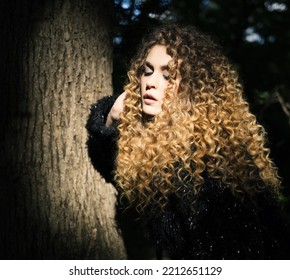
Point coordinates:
[(188, 154)]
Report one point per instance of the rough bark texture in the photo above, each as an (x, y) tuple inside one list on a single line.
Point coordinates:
[(55, 61)]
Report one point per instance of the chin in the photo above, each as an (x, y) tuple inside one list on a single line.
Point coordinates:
[(150, 111)]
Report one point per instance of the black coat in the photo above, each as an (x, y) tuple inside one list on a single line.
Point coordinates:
[(219, 226)]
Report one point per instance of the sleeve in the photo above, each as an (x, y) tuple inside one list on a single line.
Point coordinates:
[(101, 141), (223, 226)]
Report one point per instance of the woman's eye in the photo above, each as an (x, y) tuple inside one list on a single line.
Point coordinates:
[(147, 73), (166, 76)]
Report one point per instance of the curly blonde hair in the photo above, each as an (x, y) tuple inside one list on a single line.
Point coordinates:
[(206, 130)]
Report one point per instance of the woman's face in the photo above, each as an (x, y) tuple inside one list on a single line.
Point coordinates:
[(154, 80)]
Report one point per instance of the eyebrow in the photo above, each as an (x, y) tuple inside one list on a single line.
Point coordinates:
[(149, 65)]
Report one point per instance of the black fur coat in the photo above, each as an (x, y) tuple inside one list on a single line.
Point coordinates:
[(220, 226)]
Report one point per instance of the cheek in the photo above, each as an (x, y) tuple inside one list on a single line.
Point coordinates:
[(142, 84), (163, 87)]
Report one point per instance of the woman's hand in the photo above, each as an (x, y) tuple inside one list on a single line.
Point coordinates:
[(114, 114)]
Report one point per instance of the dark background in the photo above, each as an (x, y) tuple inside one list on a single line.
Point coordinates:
[(254, 34)]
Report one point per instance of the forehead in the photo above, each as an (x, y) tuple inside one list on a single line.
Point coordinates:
[(158, 56)]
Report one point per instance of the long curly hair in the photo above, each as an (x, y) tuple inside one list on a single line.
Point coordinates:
[(206, 130)]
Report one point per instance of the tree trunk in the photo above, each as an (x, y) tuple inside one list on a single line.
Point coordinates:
[(56, 59)]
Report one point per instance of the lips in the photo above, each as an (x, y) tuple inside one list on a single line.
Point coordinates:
[(149, 96)]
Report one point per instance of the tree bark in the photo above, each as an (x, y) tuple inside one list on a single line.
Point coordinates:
[(56, 59)]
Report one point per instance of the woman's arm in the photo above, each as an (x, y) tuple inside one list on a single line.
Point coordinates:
[(102, 138)]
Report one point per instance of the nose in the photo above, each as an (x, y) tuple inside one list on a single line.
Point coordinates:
[(152, 81)]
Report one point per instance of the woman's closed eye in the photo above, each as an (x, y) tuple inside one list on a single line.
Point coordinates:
[(147, 73), (166, 76)]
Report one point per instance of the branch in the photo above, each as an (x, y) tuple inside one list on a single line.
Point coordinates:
[(285, 105)]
